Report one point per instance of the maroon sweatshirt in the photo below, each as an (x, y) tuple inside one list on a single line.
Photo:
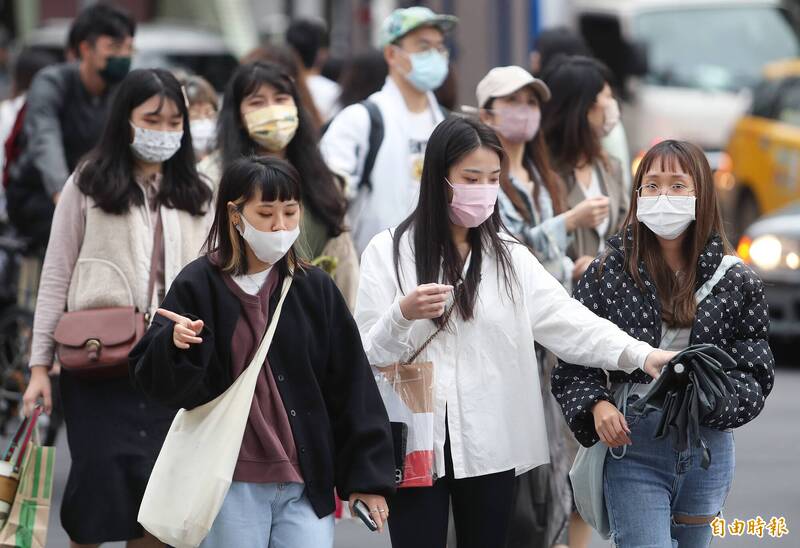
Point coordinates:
[(268, 453)]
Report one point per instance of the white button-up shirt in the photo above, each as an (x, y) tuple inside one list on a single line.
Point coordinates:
[(486, 377)]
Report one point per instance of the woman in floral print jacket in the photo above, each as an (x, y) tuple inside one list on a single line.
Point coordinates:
[(673, 244)]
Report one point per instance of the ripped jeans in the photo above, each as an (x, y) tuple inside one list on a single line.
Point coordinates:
[(653, 486)]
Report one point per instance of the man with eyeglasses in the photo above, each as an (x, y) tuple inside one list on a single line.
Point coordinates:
[(64, 113), (377, 146)]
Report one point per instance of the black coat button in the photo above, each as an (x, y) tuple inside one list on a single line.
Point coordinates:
[(293, 413)]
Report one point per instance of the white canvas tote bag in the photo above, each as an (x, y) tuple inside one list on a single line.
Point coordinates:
[(193, 472)]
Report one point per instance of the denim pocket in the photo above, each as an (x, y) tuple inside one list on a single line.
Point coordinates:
[(633, 416)]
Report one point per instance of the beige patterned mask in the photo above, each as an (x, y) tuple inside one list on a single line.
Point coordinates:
[(272, 127)]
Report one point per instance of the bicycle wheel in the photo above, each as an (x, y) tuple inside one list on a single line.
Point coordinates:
[(16, 333)]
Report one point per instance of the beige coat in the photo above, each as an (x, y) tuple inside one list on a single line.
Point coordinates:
[(586, 241), (113, 265)]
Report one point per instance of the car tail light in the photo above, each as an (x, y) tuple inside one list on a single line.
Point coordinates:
[(723, 175), (743, 249)]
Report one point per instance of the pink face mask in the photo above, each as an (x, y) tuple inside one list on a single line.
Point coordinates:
[(472, 204), (517, 124)]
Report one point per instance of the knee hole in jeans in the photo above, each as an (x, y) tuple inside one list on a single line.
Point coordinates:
[(683, 519)]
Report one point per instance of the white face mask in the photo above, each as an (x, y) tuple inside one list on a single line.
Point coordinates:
[(610, 116), (269, 247), (154, 146), (204, 134), (666, 217)]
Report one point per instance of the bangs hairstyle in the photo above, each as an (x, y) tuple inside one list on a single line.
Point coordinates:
[(574, 82), (436, 257), (321, 195), (107, 173), (676, 294), (269, 178)]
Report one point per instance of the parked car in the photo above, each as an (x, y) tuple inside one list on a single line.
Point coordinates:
[(157, 45), (686, 67), (771, 246), (765, 148)]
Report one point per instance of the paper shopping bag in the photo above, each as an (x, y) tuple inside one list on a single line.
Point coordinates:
[(27, 522), (407, 392)]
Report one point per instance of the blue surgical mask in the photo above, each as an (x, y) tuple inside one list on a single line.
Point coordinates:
[(428, 70)]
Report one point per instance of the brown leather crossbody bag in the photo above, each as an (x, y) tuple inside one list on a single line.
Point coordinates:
[(95, 343)]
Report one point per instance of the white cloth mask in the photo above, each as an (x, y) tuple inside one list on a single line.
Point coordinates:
[(666, 217), (269, 247), (204, 134), (610, 116), (153, 145)]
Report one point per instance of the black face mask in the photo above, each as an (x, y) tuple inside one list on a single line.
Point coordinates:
[(117, 67)]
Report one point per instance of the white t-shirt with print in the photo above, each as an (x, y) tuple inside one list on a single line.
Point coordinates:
[(421, 125)]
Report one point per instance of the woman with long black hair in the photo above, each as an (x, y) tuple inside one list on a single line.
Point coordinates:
[(262, 114), (532, 202), (135, 209), (488, 417), (582, 112)]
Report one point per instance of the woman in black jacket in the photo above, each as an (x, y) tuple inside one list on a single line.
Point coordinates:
[(317, 420), (672, 244)]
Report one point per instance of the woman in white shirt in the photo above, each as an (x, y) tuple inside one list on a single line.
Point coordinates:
[(488, 418)]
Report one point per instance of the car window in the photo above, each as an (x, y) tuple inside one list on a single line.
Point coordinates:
[(765, 99), (714, 48), (788, 110)]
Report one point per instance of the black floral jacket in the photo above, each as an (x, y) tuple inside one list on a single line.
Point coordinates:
[(734, 317)]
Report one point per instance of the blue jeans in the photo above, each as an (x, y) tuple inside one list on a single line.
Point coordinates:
[(269, 515), (653, 482)]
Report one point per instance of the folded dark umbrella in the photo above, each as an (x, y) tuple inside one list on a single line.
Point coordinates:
[(693, 388)]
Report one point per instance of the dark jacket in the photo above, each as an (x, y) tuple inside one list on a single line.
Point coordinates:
[(337, 417), (734, 317), (63, 121)]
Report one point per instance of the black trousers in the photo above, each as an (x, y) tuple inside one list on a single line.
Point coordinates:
[(482, 506)]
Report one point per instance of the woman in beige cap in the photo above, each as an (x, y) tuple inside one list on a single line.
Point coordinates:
[(532, 202)]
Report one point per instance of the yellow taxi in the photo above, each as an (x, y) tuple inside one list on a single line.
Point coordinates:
[(763, 154)]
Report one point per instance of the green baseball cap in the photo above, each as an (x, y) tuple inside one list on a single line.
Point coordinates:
[(402, 21)]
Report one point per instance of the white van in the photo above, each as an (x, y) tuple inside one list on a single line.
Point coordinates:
[(686, 66)]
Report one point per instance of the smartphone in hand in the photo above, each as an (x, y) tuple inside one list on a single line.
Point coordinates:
[(362, 512)]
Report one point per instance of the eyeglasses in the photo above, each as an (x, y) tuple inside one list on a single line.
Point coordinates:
[(425, 47), (652, 190)]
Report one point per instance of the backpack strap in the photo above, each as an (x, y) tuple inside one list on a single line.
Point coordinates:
[(375, 140)]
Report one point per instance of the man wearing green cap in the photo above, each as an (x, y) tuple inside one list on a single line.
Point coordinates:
[(382, 177)]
